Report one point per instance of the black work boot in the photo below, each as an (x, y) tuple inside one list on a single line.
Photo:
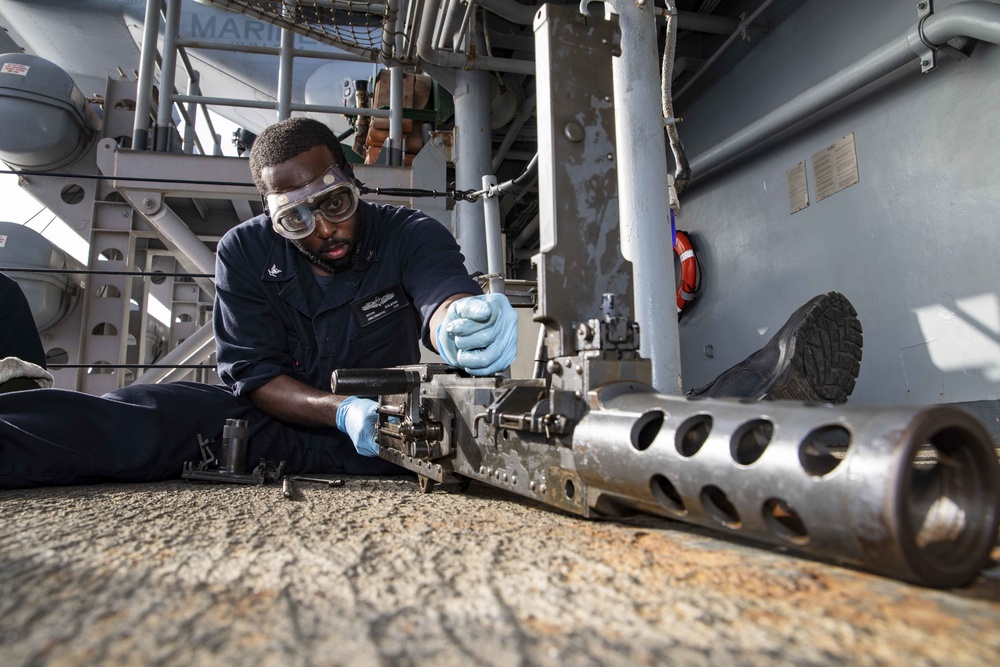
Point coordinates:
[(816, 356)]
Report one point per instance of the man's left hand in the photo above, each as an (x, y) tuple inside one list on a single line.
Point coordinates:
[(479, 334)]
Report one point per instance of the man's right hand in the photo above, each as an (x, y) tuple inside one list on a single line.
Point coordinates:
[(357, 418), (479, 334)]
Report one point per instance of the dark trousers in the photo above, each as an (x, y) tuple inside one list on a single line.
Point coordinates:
[(145, 433)]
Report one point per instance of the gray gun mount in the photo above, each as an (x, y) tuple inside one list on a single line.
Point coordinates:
[(911, 493), (907, 493)]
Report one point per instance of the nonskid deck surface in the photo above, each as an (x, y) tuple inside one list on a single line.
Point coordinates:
[(376, 573)]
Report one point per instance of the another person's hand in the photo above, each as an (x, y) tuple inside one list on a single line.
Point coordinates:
[(479, 334), (357, 418)]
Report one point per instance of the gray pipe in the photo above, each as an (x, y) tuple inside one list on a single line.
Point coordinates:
[(395, 142), (446, 25), (520, 14), (168, 73), (472, 160), (269, 50), (526, 111), (389, 30), (147, 66), (426, 50), (190, 137), (294, 106), (196, 348), (285, 71), (494, 241), (411, 28), (977, 19), (722, 49)]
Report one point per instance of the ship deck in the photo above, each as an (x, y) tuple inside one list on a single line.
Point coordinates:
[(179, 573)]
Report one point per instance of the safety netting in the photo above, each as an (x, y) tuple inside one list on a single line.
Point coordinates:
[(353, 25)]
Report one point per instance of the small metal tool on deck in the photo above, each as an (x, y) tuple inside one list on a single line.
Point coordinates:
[(287, 490)]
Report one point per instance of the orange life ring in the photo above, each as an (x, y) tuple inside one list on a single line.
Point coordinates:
[(688, 286)]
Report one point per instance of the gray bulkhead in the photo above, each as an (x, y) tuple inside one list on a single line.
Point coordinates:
[(913, 244)]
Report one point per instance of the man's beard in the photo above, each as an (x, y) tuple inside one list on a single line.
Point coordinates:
[(336, 266)]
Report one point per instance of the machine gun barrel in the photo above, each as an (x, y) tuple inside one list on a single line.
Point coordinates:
[(910, 493)]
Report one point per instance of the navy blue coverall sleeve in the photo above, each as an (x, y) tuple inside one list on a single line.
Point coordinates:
[(249, 333)]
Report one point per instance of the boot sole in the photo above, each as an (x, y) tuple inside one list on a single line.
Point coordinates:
[(822, 357)]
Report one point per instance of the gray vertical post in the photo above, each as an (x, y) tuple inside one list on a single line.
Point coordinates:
[(644, 202), (147, 67), (494, 239), (472, 160), (579, 258), (168, 67), (396, 76), (192, 113), (285, 74)]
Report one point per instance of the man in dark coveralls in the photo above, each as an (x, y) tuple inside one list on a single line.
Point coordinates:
[(325, 281)]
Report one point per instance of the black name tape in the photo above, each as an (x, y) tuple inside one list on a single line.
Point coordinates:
[(377, 305)]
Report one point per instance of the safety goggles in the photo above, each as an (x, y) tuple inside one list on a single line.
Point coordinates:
[(332, 196)]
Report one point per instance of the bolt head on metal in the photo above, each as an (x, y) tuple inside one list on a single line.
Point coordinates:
[(574, 131), (147, 202)]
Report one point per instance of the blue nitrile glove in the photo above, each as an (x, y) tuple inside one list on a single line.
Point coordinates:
[(357, 418), (479, 334)]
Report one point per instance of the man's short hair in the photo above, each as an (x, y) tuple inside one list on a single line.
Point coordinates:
[(289, 138)]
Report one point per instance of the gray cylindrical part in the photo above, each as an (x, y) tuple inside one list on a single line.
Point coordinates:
[(909, 493), (234, 446), (643, 200), (168, 64), (285, 64), (472, 148), (144, 86), (495, 263), (395, 144)]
